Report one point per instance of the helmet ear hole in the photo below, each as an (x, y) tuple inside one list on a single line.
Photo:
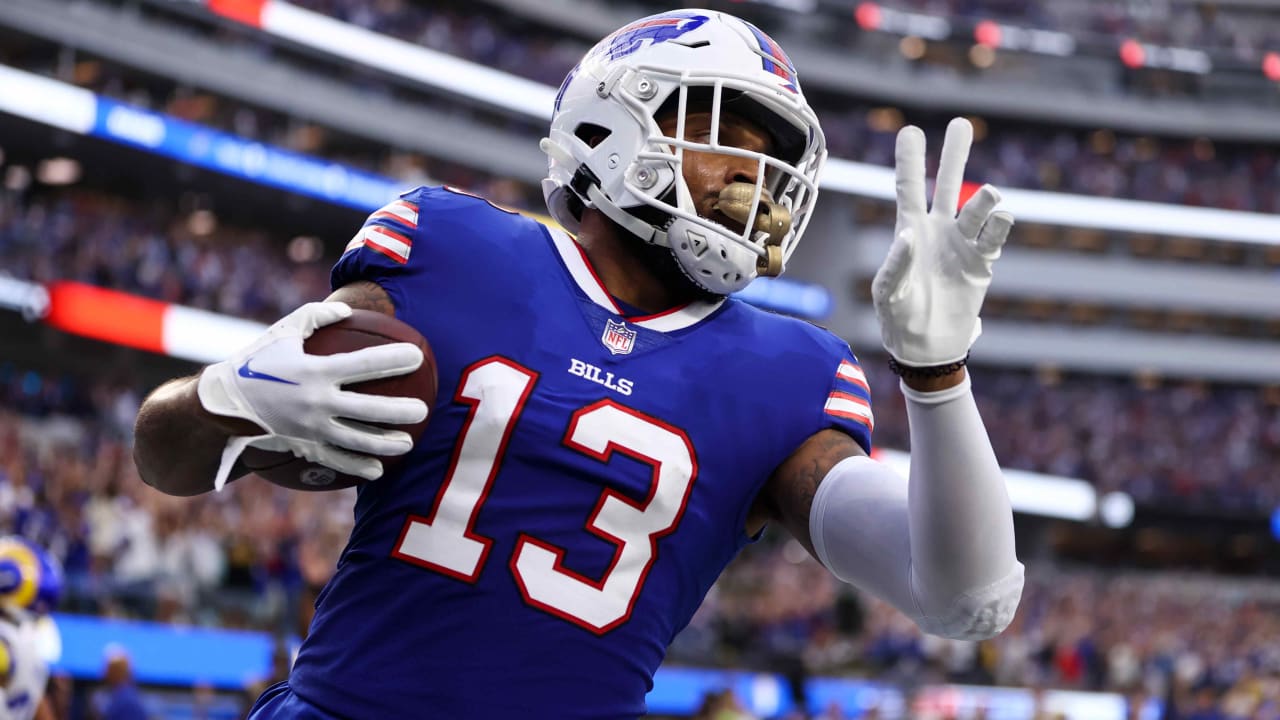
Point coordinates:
[(591, 134)]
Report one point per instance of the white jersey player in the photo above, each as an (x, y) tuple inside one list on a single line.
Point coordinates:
[(30, 583)]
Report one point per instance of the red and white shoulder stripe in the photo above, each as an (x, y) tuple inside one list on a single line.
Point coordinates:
[(389, 231), (850, 407), (379, 239), (850, 372), (850, 396), (401, 211)]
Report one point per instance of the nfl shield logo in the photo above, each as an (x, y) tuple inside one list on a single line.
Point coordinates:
[(619, 338)]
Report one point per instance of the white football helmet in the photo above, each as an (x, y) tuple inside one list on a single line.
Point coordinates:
[(633, 174)]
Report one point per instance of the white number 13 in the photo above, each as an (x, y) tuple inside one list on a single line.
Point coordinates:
[(445, 541)]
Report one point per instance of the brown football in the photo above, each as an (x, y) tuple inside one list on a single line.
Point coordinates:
[(365, 328)]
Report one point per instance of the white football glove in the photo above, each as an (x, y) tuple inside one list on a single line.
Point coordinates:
[(298, 399), (930, 288)]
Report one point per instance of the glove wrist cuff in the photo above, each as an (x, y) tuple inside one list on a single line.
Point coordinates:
[(216, 395), (912, 372)]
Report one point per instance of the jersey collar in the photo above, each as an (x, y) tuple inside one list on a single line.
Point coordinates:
[(575, 261)]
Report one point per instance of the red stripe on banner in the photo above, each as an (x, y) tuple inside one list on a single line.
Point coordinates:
[(967, 189), (107, 315), (248, 12)]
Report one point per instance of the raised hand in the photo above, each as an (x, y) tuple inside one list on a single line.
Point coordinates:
[(930, 288)]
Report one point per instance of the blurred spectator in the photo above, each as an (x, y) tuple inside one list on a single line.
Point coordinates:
[(722, 705), (120, 699)]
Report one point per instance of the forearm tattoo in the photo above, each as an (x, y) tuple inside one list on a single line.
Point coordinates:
[(365, 295), (796, 481)]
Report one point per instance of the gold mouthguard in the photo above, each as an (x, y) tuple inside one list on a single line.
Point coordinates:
[(772, 218)]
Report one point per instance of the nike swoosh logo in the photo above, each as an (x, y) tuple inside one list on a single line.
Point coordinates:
[(245, 372)]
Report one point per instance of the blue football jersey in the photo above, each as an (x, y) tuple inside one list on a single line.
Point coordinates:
[(585, 476)]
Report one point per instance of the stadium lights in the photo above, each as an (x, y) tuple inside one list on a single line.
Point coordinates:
[(998, 36), (871, 16), (17, 178), (1271, 66), (912, 47), (532, 100), (202, 222), (304, 249), (30, 299), (1115, 509), (1051, 496), (58, 171), (987, 33), (868, 16), (982, 56), (1136, 54)]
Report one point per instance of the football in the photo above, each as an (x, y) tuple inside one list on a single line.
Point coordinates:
[(365, 328)]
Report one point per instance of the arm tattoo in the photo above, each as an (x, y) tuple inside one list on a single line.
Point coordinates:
[(365, 295), (795, 483)]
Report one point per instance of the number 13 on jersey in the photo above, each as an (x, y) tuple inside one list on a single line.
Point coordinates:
[(496, 390)]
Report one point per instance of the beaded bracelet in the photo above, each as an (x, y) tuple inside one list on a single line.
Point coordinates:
[(931, 371)]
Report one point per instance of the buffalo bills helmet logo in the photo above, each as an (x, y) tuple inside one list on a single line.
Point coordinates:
[(656, 29)]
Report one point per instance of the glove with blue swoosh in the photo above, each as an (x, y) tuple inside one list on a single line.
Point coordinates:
[(298, 398)]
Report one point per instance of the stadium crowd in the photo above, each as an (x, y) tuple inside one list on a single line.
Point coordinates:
[(1245, 30), (1183, 171), (1187, 171), (255, 556)]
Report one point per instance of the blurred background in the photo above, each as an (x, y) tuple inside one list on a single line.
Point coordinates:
[(173, 173)]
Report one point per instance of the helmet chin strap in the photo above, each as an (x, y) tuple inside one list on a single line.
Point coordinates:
[(632, 224)]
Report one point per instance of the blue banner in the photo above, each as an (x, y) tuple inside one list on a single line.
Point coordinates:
[(230, 660), (164, 654), (207, 148)]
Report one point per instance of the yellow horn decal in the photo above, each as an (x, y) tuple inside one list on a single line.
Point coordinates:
[(18, 560)]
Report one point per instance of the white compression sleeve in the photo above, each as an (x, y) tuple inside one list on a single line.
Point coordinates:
[(940, 548)]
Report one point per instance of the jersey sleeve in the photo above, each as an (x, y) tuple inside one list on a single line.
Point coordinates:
[(384, 246), (848, 404)]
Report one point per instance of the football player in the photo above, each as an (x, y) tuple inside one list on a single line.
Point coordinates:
[(30, 584), (612, 427)]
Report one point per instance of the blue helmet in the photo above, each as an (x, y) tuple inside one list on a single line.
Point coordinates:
[(30, 578)]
